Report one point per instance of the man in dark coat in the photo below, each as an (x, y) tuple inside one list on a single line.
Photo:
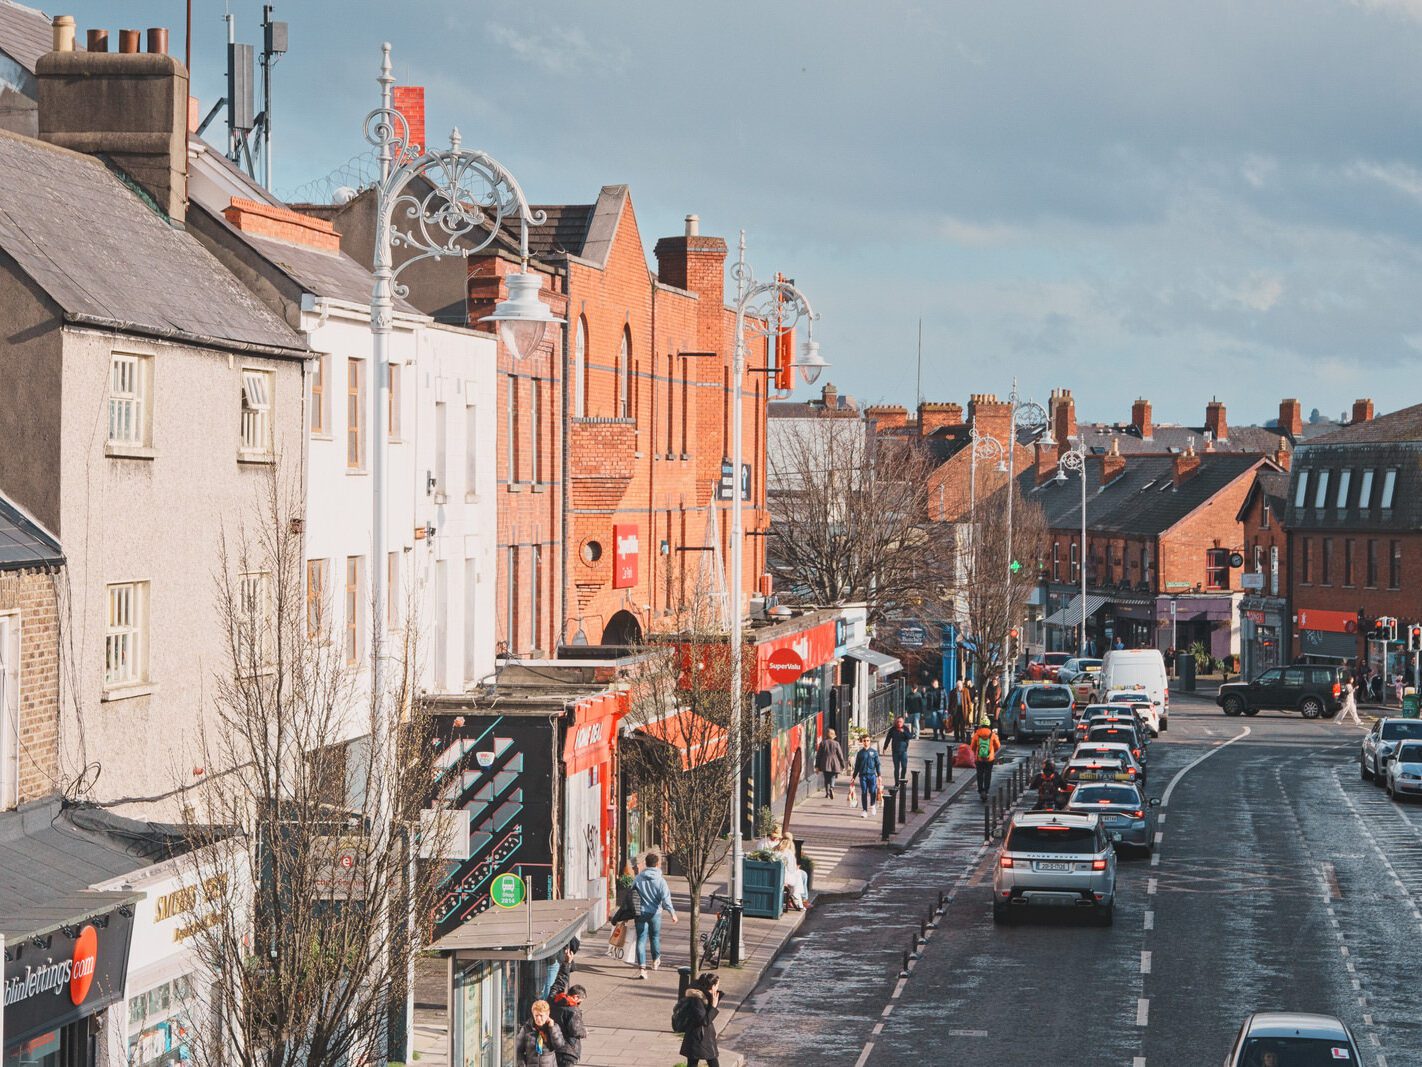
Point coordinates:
[(829, 761), (913, 709), (896, 743), (568, 1017), (937, 710)]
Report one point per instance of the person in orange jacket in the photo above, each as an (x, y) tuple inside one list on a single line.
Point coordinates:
[(984, 745)]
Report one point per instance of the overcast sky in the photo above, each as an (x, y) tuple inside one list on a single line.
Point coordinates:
[(1174, 200)]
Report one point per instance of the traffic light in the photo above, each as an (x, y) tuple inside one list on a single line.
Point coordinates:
[(1384, 629), (1012, 633), (1414, 637)]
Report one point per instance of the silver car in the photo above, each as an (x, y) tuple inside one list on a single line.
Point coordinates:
[(1404, 771), (1129, 818), (1282, 1038), (1055, 859), (1379, 742)]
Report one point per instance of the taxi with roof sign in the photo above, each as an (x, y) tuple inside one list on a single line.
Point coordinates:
[(1104, 749), (1119, 732), (1098, 713), (1129, 818), (1055, 859), (1139, 700)]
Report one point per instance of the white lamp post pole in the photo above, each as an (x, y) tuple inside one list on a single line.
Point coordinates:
[(1030, 416), (458, 209), (1075, 460), (765, 308)]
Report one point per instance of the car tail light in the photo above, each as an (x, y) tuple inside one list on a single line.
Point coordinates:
[(1136, 752), (1005, 861), (1138, 814), (1097, 865), (1337, 689)]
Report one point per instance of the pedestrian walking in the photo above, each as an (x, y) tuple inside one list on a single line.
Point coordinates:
[(896, 743), (653, 898), (935, 699), (913, 709), (829, 761), (992, 698), (867, 773), (962, 711), (1350, 704), (567, 1012), (697, 1015), (539, 1041), (985, 744)]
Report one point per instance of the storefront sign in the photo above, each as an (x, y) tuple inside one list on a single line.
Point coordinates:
[(590, 737), (506, 891), (1336, 622), (1177, 585), (784, 666), (79, 971), (814, 646), (1252, 580), (913, 635), (338, 872), (625, 552), (1256, 617)]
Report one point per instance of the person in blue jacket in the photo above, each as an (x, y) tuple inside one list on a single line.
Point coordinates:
[(867, 772)]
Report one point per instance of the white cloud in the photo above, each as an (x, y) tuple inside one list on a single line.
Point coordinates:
[(1259, 292), (561, 50), (977, 235), (1410, 8), (1398, 176)]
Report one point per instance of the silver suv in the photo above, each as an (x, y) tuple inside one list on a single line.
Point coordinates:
[(1055, 859), (1287, 1037)]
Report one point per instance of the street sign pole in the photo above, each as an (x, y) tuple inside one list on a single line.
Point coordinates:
[(528, 903)]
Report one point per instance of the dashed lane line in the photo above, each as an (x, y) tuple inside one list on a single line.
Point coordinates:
[(1143, 1012), (1145, 962), (1150, 920)]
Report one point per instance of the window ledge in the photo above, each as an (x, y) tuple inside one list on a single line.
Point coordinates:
[(127, 692), (538, 488), (259, 458), (515, 487), (315, 436), (356, 472), (116, 450)]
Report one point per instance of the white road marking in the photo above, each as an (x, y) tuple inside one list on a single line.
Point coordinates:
[(1169, 789), (1150, 920), (1150, 887), (1161, 819), (1155, 860), (864, 1056), (967, 1033), (1143, 1012), (1139, 1061), (1159, 836), (1145, 963)]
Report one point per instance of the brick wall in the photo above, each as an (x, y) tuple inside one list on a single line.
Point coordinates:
[(1338, 595), (1258, 535), (30, 595)]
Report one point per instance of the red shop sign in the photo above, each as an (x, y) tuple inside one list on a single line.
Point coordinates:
[(591, 733), (814, 648), (784, 666), (625, 550), (1335, 622)]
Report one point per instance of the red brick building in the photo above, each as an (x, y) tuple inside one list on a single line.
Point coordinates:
[(1264, 622)]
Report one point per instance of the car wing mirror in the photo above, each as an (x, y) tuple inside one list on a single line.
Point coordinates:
[(1155, 802)]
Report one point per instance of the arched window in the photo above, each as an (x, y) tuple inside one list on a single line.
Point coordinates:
[(624, 376), (580, 370)]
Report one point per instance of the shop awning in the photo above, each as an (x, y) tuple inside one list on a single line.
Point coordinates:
[(507, 934), (1071, 614), (698, 739), (884, 664)]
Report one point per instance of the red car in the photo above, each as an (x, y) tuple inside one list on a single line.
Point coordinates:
[(1045, 667)]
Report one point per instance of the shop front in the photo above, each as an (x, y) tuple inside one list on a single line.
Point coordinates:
[(499, 963), (1187, 620), (590, 801), (1132, 622), (1327, 636), (1263, 630)]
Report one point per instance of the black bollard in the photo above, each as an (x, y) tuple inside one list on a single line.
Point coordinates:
[(902, 794), (914, 794), (886, 830), (927, 779), (987, 825), (923, 932), (939, 786)]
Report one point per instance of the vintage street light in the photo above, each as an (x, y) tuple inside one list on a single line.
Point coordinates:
[(1074, 459)]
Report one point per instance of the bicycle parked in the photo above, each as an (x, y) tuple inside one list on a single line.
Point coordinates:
[(713, 942)]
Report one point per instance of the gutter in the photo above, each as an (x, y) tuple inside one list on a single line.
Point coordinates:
[(183, 337)]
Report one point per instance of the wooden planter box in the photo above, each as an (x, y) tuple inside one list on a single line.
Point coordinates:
[(764, 888)]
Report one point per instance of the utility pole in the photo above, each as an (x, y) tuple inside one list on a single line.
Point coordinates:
[(274, 35), (919, 390)]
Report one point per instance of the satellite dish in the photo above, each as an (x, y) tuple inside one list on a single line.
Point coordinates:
[(344, 195)]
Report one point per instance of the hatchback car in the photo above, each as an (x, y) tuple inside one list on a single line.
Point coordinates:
[(1293, 1039), (1078, 669), (1404, 771), (1379, 742), (1055, 859), (1036, 710), (1113, 768), (1118, 750), (1146, 710), (1309, 689), (1121, 733), (1045, 667), (1128, 817)]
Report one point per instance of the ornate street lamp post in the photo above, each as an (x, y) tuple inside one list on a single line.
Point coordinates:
[(765, 309), (1031, 417), (1074, 459), (434, 204)]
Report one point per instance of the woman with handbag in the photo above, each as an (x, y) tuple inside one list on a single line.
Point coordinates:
[(626, 910)]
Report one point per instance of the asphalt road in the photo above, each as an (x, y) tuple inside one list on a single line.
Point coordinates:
[(1281, 881)]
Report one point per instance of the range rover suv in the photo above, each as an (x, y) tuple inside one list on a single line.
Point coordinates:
[(1308, 688)]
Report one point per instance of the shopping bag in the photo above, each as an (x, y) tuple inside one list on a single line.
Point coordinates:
[(618, 935)]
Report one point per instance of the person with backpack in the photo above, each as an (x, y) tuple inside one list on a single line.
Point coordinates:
[(984, 744), (1048, 785), (653, 896), (567, 1013), (539, 1041), (694, 1018), (867, 771)]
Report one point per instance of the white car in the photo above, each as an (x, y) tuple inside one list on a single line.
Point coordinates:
[(1404, 771), (1137, 668), (1140, 700), (1096, 749)]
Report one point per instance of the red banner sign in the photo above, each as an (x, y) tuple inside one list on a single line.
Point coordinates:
[(592, 733), (813, 647), (1334, 622), (625, 551)]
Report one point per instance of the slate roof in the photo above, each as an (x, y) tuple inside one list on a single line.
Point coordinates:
[(1405, 424), (51, 850), (1391, 442), (24, 543), (1274, 485), (1100, 436), (1142, 500), (25, 34), (116, 262)]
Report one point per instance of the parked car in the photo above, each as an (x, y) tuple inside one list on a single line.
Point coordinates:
[(1379, 742), (1129, 818), (1046, 665), (1036, 710), (1137, 668), (1093, 714), (1077, 667), (1404, 771), (1310, 689), (1055, 859), (1293, 1038), (1145, 709)]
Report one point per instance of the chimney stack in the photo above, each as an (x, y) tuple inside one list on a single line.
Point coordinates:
[(1291, 417), (63, 29), (409, 102), (1186, 464), (1061, 414), (1046, 460), (933, 417), (1362, 410), (1140, 419), (1113, 464), (1215, 420), (887, 416), (95, 41), (829, 397), (698, 265), (993, 417), (128, 106), (1283, 455)]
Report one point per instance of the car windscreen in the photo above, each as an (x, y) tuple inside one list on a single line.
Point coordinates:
[(1106, 794), (1110, 755), (1048, 697), (1395, 731), (1119, 734), (1297, 1052), (1071, 839), (1409, 754), (1055, 659), (1132, 698)]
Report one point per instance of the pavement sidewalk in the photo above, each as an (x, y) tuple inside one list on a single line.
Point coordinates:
[(629, 1020)]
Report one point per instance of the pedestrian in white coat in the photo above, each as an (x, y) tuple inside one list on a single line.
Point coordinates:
[(1350, 704)]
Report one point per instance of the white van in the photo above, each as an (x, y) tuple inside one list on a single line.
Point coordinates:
[(1140, 669)]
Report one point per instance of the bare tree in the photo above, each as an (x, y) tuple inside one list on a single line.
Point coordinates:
[(307, 888), (992, 597), (849, 520), (682, 704)]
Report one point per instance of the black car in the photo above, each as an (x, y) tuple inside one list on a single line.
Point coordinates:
[(1308, 688)]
